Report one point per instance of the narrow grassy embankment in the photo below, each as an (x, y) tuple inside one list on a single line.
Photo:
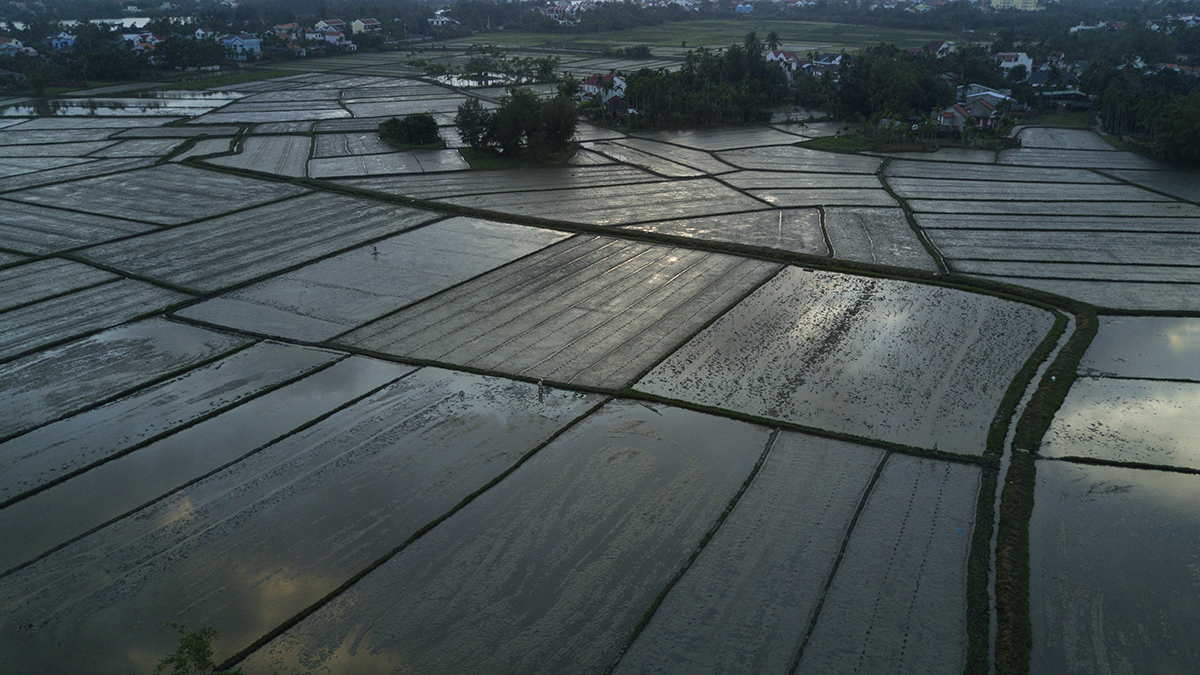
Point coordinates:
[(1014, 634)]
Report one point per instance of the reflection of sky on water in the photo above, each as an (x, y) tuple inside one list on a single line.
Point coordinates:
[(549, 570), (1146, 421), (257, 542), (1154, 346), (1115, 575)]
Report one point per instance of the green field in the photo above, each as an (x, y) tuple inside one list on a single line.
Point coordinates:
[(796, 36)]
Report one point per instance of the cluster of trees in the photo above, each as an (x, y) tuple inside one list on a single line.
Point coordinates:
[(523, 124), (415, 129), (1160, 110), (736, 85)]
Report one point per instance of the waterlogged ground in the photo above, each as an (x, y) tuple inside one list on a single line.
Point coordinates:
[(363, 410)]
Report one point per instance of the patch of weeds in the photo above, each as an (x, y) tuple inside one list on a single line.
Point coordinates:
[(486, 159), (226, 80), (842, 143), (1014, 634), (194, 654)]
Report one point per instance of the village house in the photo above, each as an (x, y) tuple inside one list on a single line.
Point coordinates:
[(242, 47), (786, 60), (365, 26), (60, 41), (330, 24)]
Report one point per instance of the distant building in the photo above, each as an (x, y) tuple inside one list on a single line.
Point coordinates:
[(1021, 5), (786, 60), (60, 41), (331, 24), (604, 88), (365, 26), (242, 47)]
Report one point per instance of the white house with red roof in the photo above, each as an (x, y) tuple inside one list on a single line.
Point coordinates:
[(786, 60), (603, 88)]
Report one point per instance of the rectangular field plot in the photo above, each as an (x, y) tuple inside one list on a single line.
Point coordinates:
[(263, 116), (747, 602), (83, 311), (898, 603), (129, 482), (226, 251), (166, 195), (961, 156), (523, 181), (1013, 174), (1145, 346), (144, 147), (1119, 295), (548, 571), (348, 145), (1062, 139), (945, 188), (796, 230), (327, 298), (1113, 572), (48, 454), (697, 159), (876, 236), (1126, 248), (891, 360), (1123, 420), (620, 205), (33, 136), (1156, 209), (979, 221), (60, 150), (255, 543), (1181, 184), (207, 146), (832, 197), (73, 171), (592, 311), (43, 279), (1082, 159), (724, 139), (807, 181), (404, 107), (179, 132), (790, 158), (1095, 271), (413, 161), (627, 155), (23, 165), (99, 367), (279, 155)]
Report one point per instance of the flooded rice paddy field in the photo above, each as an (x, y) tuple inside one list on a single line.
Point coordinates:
[(249, 384)]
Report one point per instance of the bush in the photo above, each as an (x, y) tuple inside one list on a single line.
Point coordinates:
[(418, 129)]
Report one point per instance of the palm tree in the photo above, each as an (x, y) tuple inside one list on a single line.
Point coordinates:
[(773, 40)]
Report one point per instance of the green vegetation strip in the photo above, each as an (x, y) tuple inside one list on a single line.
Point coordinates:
[(1014, 631), (226, 80), (978, 568), (802, 35)]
